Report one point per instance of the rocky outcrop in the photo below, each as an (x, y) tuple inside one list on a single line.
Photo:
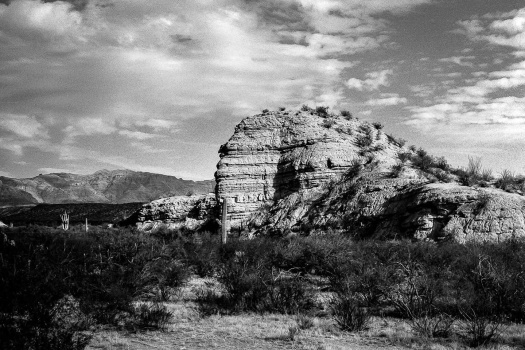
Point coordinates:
[(117, 186), (297, 172), (196, 212), (305, 172), (273, 155)]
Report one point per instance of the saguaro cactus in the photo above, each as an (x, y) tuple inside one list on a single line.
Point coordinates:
[(65, 221)]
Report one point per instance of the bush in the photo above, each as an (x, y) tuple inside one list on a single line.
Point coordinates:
[(328, 123), (322, 110), (152, 316), (349, 315), (507, 180), (253, 279), (397, 169), (305, 108), (282, 109), (346, 114), (377, 125), (264, 111), (364, 140)]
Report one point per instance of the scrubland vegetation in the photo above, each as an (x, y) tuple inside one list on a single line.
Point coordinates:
[(59, 287)]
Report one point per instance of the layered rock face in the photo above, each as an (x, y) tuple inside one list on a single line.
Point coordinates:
[(275, 154), (178, 212)]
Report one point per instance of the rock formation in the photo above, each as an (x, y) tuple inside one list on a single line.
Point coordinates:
[(275, 154), (313, 172), (178, 212)]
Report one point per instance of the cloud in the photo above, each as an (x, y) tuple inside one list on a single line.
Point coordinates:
[(139, 135), (53, 170), (23, 126), (372, 82), (387, 101), (459, 60), (503, 29)]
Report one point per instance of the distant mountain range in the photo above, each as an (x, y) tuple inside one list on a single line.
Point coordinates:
[(112, 187)]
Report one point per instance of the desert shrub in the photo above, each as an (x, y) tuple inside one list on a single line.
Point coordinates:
[(349, 315), (364, 140), (305, 108), (422, 160), (162, 277), (443, 175), (377, 125), (304, 321), (397, 169), (486, 175), (404, 156), (480, 329), (507, 180), (104, 270), (473, 174), (282, 109), (328, 123), (61, 327), (152, 316), (252, 280), (322, 110), (202, 254), (346, 114), (441, 163), (264, 111)]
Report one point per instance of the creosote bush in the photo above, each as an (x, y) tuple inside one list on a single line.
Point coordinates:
[(346, 114), (322, 110)]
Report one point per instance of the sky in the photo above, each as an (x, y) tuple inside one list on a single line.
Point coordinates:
[(158, 86)]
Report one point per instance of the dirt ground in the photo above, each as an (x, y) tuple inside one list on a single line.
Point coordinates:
[(188, 330)]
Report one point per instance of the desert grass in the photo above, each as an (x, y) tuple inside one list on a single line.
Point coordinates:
[(189, 330)]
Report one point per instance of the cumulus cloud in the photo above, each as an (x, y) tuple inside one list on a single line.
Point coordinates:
[(372, 82), (506, 29), (23, 126), (490, 105)]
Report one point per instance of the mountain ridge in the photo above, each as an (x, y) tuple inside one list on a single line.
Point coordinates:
[(103, 186)]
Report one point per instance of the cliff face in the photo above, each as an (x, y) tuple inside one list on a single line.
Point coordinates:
[(118, 186), (274, 155)]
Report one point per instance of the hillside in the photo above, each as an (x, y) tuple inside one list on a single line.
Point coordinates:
[(117, 186)]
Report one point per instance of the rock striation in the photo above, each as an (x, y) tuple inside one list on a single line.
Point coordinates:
[(197, 212), (273, 155)]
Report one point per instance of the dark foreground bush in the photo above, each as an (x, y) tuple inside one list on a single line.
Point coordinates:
[(104, 272), (251, 281), (349, 314)]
